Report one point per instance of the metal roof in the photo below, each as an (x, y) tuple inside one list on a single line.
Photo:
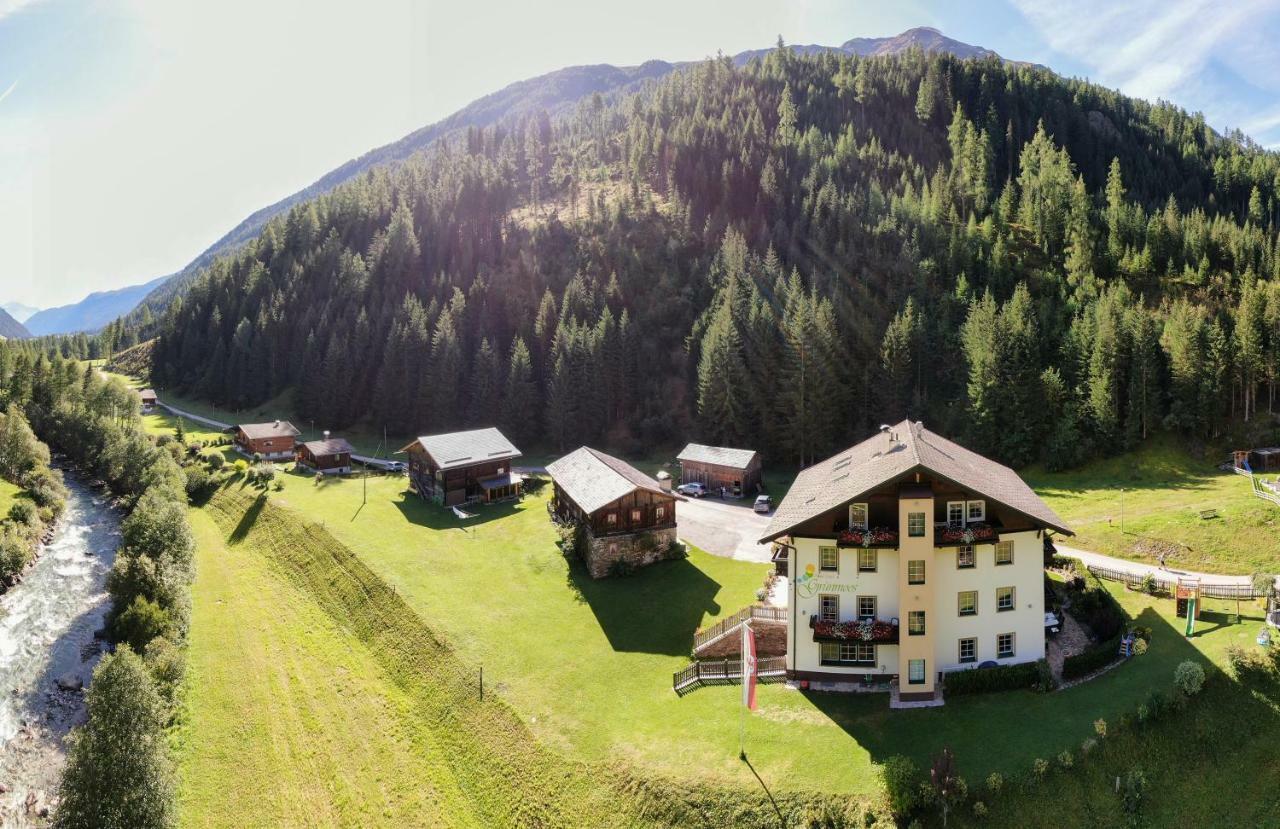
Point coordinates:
[(331, 446), (593, 479), (877, 460), (455, 449), (278, 429), (718, 455)]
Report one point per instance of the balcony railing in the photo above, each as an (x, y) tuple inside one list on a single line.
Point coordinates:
[(871, 631)]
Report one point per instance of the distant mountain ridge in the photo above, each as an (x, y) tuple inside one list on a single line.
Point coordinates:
[(92, 312), (552, 91), (18, 311), (10, 328)]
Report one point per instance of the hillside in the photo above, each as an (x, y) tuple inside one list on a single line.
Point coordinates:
[(780, 255), (91, 313), (552, 93), (10, 328)]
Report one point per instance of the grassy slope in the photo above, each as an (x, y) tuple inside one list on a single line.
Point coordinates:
[(1164, 490), (8, 492), (565, 651)]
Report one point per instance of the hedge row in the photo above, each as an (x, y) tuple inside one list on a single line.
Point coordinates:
[(1091, 659), (984, 680)]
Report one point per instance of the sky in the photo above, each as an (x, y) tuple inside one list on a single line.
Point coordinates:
[(135, 133)]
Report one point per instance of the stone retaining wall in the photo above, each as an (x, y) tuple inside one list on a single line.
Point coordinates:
[(606, 556), (771, 640)]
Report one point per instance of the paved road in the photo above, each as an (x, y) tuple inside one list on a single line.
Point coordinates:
[(723, 528), (189, 416), (1141, 569)]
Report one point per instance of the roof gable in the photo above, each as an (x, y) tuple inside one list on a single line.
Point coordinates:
[(718, 455), (593, 479), (884, 457), (278, 429), (457, 449)]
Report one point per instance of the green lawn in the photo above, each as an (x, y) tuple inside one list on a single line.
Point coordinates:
[(8, 492), (1136, 504), (161, 423), (587, 665)]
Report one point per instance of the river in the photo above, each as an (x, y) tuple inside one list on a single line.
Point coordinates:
[(47, 650)]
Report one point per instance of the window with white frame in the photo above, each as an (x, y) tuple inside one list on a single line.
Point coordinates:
[(636, 516), (848, 653), (1004, 552), (866, 560), (965, 557), (829, 607), (915, 524), (611, 518), (915, 623), (968, 603), (829, 559), (968, 650), (915, 672), (977, 511), (866, 608), (659, 513), (915, 571), (1005, 598), (1004, 645), (955, 512), (857, 516)]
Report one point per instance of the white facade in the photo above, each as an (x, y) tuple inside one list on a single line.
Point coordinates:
[(945, 626)]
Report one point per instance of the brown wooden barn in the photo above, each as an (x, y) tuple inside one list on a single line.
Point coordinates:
[(331, 456), (625, 518), (149, 400), (737, 470), (273, 441), (462, 467)]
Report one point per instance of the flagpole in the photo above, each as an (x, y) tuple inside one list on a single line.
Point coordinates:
[(742, 751)]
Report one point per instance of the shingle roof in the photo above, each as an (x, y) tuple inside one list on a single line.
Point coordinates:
[(592, 478), (332, 446), (718, 455), (455, 449), (879, 459), (147, 394), (278, 429)]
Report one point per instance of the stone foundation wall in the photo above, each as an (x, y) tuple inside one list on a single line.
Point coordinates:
[(771, 640), (636, 550)]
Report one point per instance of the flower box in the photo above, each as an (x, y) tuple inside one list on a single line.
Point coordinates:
[(867, 538), (970, 534), (876, 632)]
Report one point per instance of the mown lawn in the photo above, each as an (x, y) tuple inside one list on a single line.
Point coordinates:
[(8, 492), (587, 665), (1140, 503), (162, 423)]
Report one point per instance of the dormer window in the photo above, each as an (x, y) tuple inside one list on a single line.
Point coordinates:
[(977, 511), (857, 516)]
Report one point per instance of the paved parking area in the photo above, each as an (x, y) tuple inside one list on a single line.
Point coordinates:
[(723, 528)]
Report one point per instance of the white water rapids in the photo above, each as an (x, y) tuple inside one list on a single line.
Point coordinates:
[(47, 649)]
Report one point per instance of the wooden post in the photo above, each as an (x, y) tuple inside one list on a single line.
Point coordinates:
[(482, 683)]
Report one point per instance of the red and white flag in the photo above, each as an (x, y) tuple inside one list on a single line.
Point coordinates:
[(748, 667)]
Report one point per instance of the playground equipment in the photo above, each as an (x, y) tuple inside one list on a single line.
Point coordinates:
[(1126, 644), (1187, 594)]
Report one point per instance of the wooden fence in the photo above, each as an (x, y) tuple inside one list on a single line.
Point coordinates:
[(1166, 584), (757, 612), (726, 672)]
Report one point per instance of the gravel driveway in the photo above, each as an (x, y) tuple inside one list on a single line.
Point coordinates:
[(723, 528)]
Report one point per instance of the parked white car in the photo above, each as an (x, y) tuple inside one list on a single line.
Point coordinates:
[(763, 504), (694, 489)]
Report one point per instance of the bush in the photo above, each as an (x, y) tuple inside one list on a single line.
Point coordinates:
[(141, 622), (1135, 785), (216, 461), (1149, 585), (165, 662), (1097, 609), (902, 783), (1069, 564), (1039, 767), (1188, 678), (568, 539), (995, 782), (1250, 667), (979, 809), (1065, 760), (23, 512), (1087, 747), (197, 482), (1002, 678), (1091, 659), (1100, 727)]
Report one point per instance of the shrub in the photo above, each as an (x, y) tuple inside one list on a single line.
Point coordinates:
[(1091, 659), (979, 809), (1097, 609), (1149, 585), (995, 782), (1135, 784), (568, 539), (902, 783), (1065, 760), (984, 680), (1044, 677), (241, 465), (1188, 677), (197, 482), (139, 623), (1100, 727), (1039, 767), (22, 511), (118, 769), (1087, 747), (1139, 647), (621, 568), (216, 461), (165, 662), (1250, 667)]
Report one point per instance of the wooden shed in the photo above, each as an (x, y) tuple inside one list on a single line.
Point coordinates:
[(331, 456), (738, 471)]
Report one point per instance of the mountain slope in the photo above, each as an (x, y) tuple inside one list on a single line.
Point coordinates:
[(552, 92), (10, 328), (92, 312), (19, 311)]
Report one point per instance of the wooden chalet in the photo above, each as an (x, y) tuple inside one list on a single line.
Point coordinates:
[(331, 456), (463, 467), (274, 441), (738, 471), (626, 518), (149, 400)]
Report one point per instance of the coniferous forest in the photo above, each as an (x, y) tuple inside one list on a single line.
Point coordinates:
[(781, 256)]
